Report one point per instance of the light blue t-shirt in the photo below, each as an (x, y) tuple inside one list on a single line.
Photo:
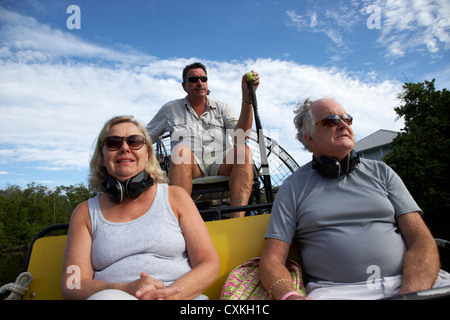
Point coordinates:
[(344, 225)]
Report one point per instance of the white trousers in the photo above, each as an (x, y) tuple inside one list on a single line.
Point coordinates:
[(112, 294), (379, 289)]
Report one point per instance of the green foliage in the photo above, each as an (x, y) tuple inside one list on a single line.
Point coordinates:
[(25, 212), (421, 153)]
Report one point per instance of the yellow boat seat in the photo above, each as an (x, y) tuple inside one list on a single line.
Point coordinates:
[(45, 266), (236, 241)]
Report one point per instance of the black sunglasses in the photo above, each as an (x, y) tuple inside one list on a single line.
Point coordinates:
[(113, 143), (195, 79), (334, 120)]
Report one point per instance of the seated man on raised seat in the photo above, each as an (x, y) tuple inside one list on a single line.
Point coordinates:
[(199, 126)]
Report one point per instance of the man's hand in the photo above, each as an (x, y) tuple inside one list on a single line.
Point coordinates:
[(246, 94)]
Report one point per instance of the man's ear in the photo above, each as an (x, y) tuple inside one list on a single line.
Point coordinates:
[(183, 84), (308, 138)]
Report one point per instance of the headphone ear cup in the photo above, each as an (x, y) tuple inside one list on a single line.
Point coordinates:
[(138, 184), (115, 189), (327, 166)]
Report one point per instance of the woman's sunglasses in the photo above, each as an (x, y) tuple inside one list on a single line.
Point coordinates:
[(334, 120), (113, 143)]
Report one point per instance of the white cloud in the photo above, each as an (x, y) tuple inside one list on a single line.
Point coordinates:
[(409, 26), (56, 111), (406, 26), (36, 42), (335, 20), (310, 22)]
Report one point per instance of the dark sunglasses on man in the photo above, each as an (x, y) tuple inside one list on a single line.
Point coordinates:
[(334, 120), (195, 79)]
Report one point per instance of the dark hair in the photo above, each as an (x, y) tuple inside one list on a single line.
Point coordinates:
[(194, 65)]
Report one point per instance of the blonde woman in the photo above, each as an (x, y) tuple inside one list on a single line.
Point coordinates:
[(139, 238)]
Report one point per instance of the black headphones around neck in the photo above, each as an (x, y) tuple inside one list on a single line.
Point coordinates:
[(132, 188), (331, 168)]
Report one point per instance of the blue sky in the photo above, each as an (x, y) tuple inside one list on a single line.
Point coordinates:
[(59, 85)]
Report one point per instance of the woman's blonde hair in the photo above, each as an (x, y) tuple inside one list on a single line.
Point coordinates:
[(98, 172)]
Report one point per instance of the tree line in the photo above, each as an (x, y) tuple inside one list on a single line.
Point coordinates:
[(421, 152), (421, 155), (25, 212)]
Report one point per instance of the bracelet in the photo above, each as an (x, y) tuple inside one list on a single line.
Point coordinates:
[(247, 102), (277, 282), (292, 293)]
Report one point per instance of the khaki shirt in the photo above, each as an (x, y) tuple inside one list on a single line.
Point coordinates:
[(208, 136)]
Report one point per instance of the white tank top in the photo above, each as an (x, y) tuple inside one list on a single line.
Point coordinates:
[(152, 243)]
